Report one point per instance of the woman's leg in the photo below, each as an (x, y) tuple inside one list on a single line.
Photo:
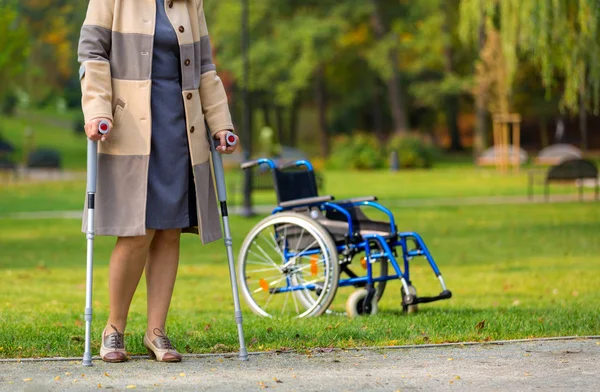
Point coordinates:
[(161, 272), (126, 267)]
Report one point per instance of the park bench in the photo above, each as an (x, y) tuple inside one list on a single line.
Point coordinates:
[(571, 170), (557, 153)]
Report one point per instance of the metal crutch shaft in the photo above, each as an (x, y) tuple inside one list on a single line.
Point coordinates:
[(92, 169), (222, 194)]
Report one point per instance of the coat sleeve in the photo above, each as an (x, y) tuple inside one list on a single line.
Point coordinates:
[(212, 92), (93, 56)]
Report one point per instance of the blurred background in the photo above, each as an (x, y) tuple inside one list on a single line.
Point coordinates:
[(424, 78)]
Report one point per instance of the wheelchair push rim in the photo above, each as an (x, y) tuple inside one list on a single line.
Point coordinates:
[(288, 267)]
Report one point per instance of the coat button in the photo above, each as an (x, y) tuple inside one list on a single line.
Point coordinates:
[(170, 4), (187, 62), (189, 96), (181, 29), (192, 129)]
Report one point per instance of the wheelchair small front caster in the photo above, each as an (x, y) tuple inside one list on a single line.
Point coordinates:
[(355, 305), (412, 291)]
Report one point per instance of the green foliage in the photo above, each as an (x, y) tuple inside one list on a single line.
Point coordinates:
[(413, 151), (561, 37), (14, 47), (360, 151)]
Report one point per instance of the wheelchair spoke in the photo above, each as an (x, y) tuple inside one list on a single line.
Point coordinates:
[(284, 257), (307, 248), (296, 304), (272, 292), (266, 261), (299, 239), (261, 263), (267, 256), (260, 269)]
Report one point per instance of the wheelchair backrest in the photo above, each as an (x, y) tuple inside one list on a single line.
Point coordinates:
[(294, 184)]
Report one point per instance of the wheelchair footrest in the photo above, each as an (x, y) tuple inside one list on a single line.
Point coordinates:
[(413, 300)]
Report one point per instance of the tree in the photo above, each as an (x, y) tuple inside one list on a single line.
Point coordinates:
[(560, 37), (14, 48)]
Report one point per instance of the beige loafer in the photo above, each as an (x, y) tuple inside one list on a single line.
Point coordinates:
[(113, 347), (160, 348)]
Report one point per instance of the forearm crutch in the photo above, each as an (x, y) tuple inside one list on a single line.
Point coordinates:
[(92, 170), (222, 194)]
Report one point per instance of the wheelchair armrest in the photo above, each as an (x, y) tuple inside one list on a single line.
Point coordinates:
[(305, 201), (357, 200)]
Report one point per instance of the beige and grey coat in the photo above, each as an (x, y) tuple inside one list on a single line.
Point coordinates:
[(115, 53)]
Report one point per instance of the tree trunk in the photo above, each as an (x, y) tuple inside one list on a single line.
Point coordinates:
[(583, 126), (321, 100), (266, 109), (481, 131), (544, 132), (279, 120), (452, 100), (378, 111), (294, 122), (395, 94)]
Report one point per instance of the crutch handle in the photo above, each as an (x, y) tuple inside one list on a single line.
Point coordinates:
[(103, 127), (231, 139)]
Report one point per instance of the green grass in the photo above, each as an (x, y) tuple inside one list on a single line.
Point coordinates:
[(527, 270), (447, 182), (49, 131)]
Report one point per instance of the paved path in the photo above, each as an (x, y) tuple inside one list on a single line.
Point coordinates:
[(545, 365)]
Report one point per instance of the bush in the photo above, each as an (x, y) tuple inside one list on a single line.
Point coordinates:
[(363, 151), (9, 104), (360, 151), (413, 151)]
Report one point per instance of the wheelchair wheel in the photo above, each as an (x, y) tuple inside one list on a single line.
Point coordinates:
[(409, 308), (288, 266), (355, 305)]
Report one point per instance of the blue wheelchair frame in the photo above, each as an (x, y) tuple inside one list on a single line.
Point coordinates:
[(388, 243)]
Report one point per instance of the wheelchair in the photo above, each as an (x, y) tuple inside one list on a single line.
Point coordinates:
[(292, 263)]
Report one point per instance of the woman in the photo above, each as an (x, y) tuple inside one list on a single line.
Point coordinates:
[(146, 67)]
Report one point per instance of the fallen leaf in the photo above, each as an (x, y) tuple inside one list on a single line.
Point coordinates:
[(451, 382), (207, 327), (181, 374), (597, 343), (575, 293), (450, 359), (99, 385), (67, 373), (27, 379), (516, 302), (78, 323), (131, 386), (56, 378), (278, 381), (527, 374), (106, 374), (457, 377), (269, 330), (479, 326)]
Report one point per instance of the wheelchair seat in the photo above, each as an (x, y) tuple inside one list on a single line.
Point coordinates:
[(300, 186), (337, 224)]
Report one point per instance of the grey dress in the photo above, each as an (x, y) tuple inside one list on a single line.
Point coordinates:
[(171, 197)]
